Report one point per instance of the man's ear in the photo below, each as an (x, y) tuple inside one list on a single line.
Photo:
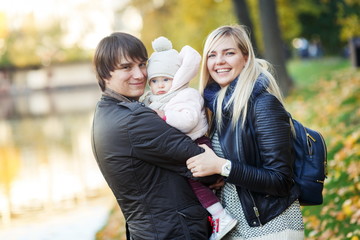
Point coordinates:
[(107, 81)]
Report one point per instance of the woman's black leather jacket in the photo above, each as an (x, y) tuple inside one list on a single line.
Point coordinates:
[(262, 158)]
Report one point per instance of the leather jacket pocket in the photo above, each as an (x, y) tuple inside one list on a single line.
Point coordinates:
[(194, 221)]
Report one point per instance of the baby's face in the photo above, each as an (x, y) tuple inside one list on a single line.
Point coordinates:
[(160, 85)]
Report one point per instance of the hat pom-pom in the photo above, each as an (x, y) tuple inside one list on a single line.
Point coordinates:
[(161, 44)]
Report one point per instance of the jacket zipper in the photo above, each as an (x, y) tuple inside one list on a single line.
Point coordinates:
[(256, 210), (325, 155), (325, 152)]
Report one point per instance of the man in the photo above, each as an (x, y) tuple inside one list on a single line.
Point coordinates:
[(141, 157)]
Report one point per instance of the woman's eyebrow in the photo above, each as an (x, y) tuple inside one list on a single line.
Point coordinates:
[(223, 50), (227, 49)]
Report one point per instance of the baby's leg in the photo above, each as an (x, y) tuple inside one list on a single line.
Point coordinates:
[(205, 195), (222, 221)]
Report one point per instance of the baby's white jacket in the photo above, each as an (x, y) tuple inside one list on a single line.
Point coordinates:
[(183, 106)]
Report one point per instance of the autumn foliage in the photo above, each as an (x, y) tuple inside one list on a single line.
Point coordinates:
[(332, 106)]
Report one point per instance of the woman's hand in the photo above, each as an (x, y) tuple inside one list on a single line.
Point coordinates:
[(205, 164)]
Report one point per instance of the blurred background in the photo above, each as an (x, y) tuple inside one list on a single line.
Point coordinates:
[(50, 185)]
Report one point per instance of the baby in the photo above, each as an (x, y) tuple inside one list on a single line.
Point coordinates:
[(182, 107)]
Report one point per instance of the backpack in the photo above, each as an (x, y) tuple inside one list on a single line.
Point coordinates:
[(310, 165)]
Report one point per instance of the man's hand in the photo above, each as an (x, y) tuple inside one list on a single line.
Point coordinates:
[(218, 184)]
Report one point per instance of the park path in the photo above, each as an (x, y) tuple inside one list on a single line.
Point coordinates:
[(80, 223)]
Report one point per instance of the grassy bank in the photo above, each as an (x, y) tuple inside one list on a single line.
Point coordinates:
[(309, 71)]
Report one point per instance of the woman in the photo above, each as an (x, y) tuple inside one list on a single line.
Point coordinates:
[(251, 136)]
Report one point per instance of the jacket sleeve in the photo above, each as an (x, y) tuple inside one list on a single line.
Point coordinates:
[(155, 142), (184, 110), (188, 69), (273, 137)]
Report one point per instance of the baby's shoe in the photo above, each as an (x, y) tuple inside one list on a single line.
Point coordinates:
[(222, 225)]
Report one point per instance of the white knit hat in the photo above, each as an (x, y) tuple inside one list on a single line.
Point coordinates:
[(165, 61)]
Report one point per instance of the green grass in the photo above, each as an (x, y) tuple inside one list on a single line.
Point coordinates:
[(308, 71)]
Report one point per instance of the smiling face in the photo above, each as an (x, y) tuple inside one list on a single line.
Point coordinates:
[(129, 79), (225, 61)]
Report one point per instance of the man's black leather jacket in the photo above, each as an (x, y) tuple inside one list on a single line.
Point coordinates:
[(144, 163)]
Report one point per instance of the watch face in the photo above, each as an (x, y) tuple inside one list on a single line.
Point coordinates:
[(227, 167)]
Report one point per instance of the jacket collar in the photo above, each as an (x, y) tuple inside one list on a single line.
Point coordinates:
[(211, 91), (261, 85), (110, 93)]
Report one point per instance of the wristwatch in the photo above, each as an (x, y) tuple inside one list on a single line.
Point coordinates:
[(225, 170)]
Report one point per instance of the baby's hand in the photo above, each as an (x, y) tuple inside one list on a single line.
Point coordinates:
[(161, 113)]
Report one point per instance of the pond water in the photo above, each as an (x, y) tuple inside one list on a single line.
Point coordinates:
[(75, 223), (46, 161)]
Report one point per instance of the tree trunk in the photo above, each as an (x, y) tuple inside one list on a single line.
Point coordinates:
[(274, 47), (243, 16)]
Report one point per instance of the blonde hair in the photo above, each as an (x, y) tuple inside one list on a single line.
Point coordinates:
[(245, 84)]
